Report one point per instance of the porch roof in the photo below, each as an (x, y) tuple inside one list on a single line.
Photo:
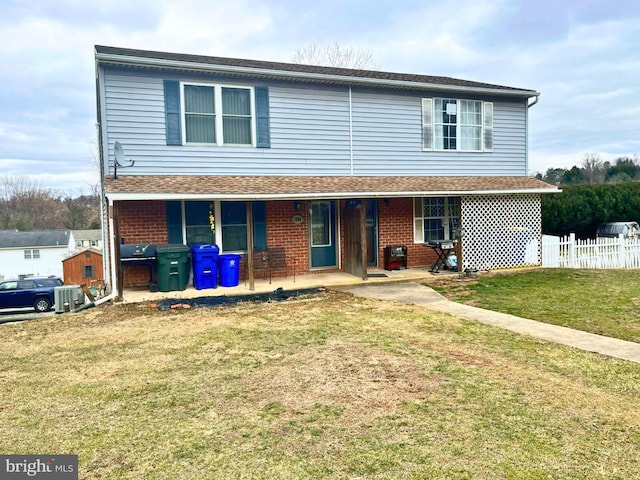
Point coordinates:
[(194, 187)]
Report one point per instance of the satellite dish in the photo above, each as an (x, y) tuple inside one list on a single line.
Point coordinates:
[(118, 153)]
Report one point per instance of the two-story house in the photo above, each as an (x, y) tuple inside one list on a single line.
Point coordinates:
[(330, 164), (36, 253)]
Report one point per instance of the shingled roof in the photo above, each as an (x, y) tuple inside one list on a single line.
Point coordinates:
[(273, 187), (37, 238), (308, 73)]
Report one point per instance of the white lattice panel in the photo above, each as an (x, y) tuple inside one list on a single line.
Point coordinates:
[(501, 231)]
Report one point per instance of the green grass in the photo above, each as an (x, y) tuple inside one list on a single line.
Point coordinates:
[(328, 386), (606, 302)]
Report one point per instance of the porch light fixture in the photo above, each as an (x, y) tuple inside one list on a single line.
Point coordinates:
[(297, 206)]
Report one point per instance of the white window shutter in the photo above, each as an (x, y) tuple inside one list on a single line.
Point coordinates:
[(488, 127), (427, 124)]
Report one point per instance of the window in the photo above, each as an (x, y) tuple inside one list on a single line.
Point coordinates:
[(87, 271), (452, 124), (31, 254), (198, 227), (218, 114), (321, 224), (234, 226), (436, 218), (222, 223)]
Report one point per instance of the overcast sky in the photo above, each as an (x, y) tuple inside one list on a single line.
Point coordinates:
[(582, 55)]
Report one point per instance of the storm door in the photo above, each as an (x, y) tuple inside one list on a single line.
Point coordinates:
[(322, 232)]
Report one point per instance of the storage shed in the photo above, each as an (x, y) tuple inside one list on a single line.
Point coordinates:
[(615, 229), (83, 267)]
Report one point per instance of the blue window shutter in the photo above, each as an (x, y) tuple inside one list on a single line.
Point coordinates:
[(262, 117), (259, 225), (174, 221), (172, 112)]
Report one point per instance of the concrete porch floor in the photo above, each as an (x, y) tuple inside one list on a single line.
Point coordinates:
[(302, 282)]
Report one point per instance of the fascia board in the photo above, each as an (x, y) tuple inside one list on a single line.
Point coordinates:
[(114, 197)]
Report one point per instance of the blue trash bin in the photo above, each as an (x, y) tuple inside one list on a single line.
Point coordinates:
[(229, 266), (205, 266)]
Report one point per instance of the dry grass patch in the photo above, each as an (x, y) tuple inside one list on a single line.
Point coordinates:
[(358, 380), (327, 386)]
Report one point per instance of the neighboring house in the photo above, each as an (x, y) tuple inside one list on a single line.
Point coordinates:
[(36, 253), (88, 239), (330, 164), (83, 267)]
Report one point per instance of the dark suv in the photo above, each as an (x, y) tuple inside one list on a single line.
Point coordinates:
[(36, 293)]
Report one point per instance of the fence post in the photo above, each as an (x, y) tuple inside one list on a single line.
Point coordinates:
[(572, 250), (621, 255)]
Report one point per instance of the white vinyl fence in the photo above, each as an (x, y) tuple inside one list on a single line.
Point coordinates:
[(599, 253)]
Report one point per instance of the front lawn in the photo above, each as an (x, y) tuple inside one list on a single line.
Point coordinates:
[(606, 302), (324, 387)]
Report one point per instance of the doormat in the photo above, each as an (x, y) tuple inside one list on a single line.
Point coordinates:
[(377, 275)]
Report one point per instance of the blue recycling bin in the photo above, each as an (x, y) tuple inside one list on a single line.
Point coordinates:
[(205, 266), (229, 266)]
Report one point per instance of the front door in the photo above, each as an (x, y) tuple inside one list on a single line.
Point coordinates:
[(323, 234)]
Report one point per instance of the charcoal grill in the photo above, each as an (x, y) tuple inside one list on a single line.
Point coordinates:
[(136, 255), (442, 248)]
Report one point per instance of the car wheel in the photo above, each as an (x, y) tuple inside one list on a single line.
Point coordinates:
[(42, 305)]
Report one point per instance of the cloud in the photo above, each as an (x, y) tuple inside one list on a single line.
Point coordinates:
[(582, 56)]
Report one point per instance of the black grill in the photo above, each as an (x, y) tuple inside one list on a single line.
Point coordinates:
[(135, 255)]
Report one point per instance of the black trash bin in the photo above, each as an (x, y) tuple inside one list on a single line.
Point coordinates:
[(173, 267)]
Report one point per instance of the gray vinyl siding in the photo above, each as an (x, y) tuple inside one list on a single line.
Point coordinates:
[(309, 133), (388, 139)]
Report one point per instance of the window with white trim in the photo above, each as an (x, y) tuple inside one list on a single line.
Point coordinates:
[(31, 254), (435, 218), (453, 124), (218, 114)]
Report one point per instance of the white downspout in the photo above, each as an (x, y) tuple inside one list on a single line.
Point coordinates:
[(526, 132), (112, 260)]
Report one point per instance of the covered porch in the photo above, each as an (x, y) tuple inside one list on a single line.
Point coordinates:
[(288, 284)]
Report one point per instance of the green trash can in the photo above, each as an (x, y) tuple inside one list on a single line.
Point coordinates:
[(173, 267)]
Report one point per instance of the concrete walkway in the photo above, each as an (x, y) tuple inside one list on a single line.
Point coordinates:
[(415, 293)]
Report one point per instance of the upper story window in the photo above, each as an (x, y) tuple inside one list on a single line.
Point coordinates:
[(216, 114), (31, 254), (452, 124)]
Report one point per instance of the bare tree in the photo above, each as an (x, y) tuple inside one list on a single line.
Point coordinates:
[(593, 169), (334, 55), (26, 205)]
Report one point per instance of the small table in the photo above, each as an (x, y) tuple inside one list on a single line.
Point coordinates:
[(442, 248)]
